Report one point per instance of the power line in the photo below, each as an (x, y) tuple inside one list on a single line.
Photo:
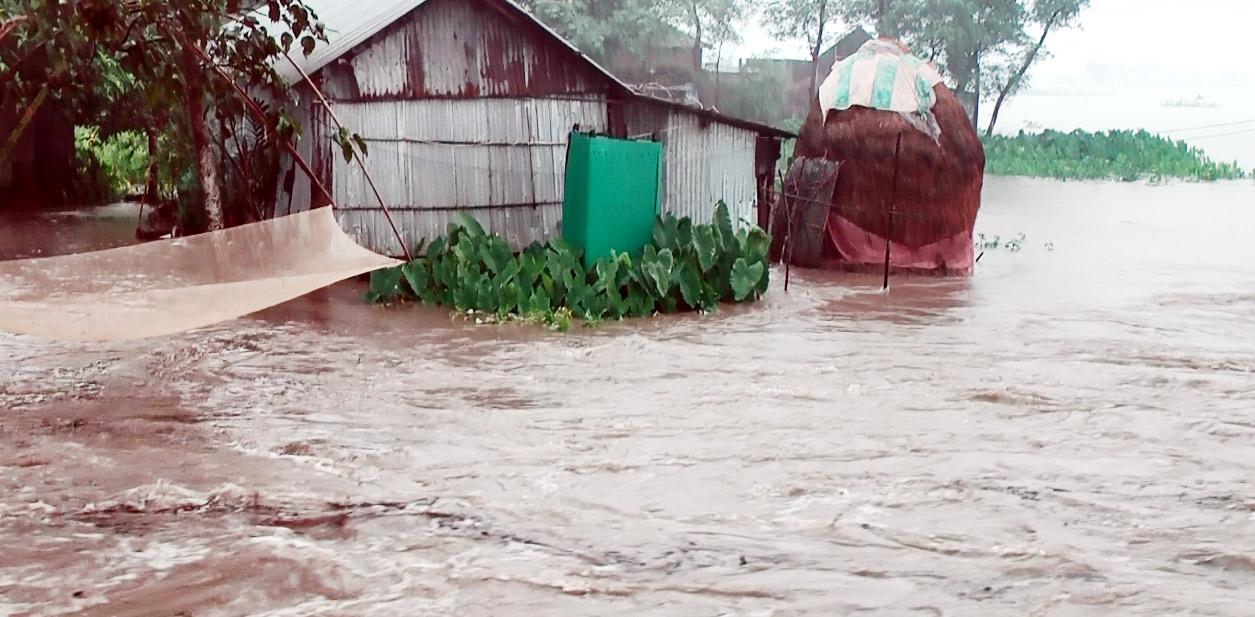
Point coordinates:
[(1244, 132), (1210, 126)]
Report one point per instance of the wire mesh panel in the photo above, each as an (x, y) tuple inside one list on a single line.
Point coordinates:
[(800, 222)]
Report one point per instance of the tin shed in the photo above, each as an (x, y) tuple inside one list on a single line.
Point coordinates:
[(466, 105)]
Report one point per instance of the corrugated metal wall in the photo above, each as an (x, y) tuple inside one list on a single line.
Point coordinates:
[(503, 160), (453, 48), (466, 107), (705, 162)]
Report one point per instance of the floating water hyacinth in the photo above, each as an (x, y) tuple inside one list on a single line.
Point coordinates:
[(1127, 156)]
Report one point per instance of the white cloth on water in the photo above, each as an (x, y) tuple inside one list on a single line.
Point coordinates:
[(173, 286)]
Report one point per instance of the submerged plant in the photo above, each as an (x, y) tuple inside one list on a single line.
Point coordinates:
[(1014, 245), (687, 267)]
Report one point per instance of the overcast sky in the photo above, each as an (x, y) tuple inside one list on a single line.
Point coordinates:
[(1177, 41)]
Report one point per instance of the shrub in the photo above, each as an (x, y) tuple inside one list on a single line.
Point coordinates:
[(115, 165), (686, 267), (1118, 155)]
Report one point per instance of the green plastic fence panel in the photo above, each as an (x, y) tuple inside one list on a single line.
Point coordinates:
[(613, 192)]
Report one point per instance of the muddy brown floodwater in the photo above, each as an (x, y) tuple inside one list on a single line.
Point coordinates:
[(1069, 432)]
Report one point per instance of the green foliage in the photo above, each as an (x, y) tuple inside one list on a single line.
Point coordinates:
[(117, 165), (758, 93), (1118, 155), (687, 267), (990, 45), (814, 21), (595, 25), (128, 65)]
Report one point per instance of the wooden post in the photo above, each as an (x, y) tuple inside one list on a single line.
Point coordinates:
[(893, 204)]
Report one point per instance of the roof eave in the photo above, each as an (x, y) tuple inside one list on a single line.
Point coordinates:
[(749, 125)]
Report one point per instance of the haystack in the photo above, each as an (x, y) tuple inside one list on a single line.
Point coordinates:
[(856, 121)]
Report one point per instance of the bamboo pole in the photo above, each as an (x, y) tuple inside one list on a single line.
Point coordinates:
[(359, 157), (893, 204), (27, 117)]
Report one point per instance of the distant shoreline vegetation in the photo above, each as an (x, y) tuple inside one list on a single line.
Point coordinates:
[(1127, 156)]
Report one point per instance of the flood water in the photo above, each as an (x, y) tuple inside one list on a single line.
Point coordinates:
[(1069, 432)]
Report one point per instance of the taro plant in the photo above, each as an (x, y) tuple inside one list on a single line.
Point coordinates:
[(687, 267)]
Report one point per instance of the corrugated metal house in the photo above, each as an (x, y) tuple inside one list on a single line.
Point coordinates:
[(466, 105)]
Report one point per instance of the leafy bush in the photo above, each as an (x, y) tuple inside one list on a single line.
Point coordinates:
[(1119, 155), (686, 267), (117, 165)]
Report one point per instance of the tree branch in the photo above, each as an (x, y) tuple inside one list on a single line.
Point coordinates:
[(1009, 87)]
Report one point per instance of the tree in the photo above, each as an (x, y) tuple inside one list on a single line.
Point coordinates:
[(596, 26), (1046, 16), (187, 59), (972, 42), (802, 19), (710, 22), (955, 34)]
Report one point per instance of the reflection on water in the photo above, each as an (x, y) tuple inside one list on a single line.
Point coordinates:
[(1067, 433)]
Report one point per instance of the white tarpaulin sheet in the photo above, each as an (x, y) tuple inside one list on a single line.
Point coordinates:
[(172, 286), (880, 75)]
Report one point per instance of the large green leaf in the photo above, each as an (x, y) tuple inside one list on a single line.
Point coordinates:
[(765, 283), (436, 248), (546, 283), (384, 285), (446, 271), (468, 222), (745, 278), (689, 276), (465, 250), (640, 301), (667, 232), (757, 245), (509, 273), (496, 253), (723, 224), (418, 276), (465, 297), (627, 271), (684, 234), (540, 302), (487, 293), (531, 264), (607, 273), (711, 295), (595, 304), (705, 246), (509, 299), (658, 272)]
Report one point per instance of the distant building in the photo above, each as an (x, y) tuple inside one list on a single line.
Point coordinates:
[(664, 60), (467, 105), (798, 73)]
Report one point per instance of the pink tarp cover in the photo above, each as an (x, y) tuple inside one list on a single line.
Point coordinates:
[(857, 246)]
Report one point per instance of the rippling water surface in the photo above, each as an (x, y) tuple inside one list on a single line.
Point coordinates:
[(1069, 432)]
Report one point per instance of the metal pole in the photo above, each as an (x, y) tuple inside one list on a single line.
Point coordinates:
[(893, 204)]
